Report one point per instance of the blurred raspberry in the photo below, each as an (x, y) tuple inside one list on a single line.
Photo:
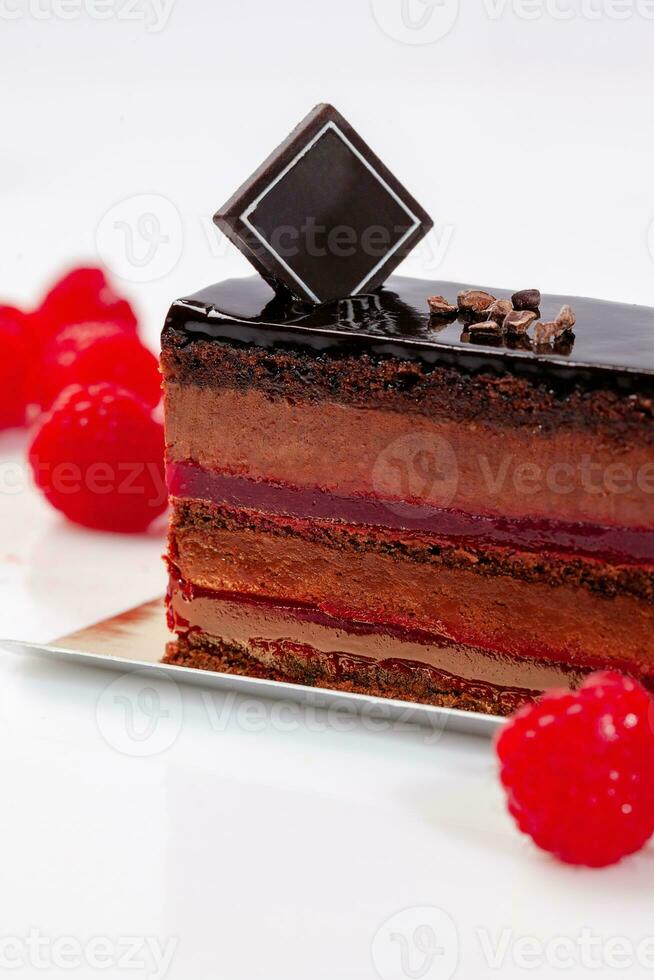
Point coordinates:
[(578, 770), (83, 295), (98, 457), (13, 366), (88, 353)]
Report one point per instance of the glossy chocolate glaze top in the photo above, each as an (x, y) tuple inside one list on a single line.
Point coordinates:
[(613, 344)]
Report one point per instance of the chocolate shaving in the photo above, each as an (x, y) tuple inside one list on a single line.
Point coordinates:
[(474, 303), (499, 310), (546, 333), (526, 299), (517, 322), (566, 317), (439, 306), (558, 332)]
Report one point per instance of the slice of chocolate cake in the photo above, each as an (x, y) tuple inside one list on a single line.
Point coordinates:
[(422, 490), (452, 507)]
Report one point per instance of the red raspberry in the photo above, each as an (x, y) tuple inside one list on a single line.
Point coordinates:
[(83, 295), (98, 456), (578, 769), (13, 367), (88, 353)]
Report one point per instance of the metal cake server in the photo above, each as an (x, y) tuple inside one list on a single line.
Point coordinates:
[(136, 639)]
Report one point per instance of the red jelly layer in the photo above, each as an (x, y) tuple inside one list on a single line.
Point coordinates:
[(612, 544)]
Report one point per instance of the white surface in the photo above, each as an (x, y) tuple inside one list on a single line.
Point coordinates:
[(263, 852), (530, 141)]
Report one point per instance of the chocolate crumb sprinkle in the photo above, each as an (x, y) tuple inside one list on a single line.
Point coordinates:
[(518, 321), (499, 310), (526, 299), (474, 303), (546, 333), (566, 317), (439, 306)]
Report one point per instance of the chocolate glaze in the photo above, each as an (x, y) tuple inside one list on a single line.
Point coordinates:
[(613, 347)]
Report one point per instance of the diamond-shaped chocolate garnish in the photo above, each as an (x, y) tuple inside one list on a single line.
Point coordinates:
[(323, 215)]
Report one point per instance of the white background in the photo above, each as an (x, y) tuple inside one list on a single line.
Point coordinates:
[(267, 850)]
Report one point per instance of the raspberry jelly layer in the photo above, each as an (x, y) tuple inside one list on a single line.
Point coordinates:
[(190, 481)]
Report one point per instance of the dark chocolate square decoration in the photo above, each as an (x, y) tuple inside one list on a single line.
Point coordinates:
[(323, 215)]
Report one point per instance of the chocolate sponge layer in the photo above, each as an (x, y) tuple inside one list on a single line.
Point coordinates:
[(500, 399), (350, 675)]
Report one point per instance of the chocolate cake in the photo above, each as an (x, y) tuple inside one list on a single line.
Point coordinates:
[(427, 491), (364, 499)]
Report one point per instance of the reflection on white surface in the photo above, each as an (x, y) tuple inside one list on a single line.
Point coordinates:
[(57, 577)]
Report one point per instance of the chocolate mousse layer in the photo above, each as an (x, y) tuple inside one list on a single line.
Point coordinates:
[(409, 457)]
